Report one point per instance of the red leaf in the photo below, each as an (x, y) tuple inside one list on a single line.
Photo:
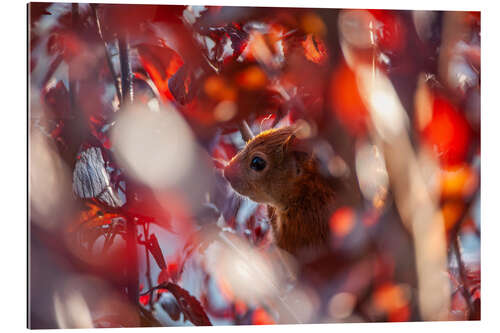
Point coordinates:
[(95, 216), (447, 133), (170, 273), (160, 62), (182, 85), (346, 101), (315, 49), (190, 306), (155, 250), (144, 299), (391, 35), (164, 276)]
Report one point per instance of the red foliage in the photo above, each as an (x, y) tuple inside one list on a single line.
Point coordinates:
[(219, 67), (261, 317), (448, 132), (346, 101), (391, 35), (161, 63), (189, 305)]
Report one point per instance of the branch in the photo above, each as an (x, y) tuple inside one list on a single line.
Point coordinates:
[(126, 70), (106, 52), (148, 263), (463, 273), (131, 239)]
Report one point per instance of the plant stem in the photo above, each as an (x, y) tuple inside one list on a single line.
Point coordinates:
[(106, 53), (126, 69), (132, 262)]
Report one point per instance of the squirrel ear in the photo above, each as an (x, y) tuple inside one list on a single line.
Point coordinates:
[(293, 144), (289, 143)]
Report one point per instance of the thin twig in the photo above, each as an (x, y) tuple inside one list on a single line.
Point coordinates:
[(463, 273), (106, 51), (160, 286), (131, 239), (145, 228), (126, 70)]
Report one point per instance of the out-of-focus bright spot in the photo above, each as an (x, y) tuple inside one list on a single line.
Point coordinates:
[(261, 317), (447, 133), (342, 221), (458, 181), (49, 182), (341, 305), (225, 288), (379, 95), (154, 105), (87, 302), (430, 170), (315, 49), (354, 26), (372, 174), (461, 75), (304, 303), (451, 212), (252, 78), (393, 299), (346, 100), (225, 111), (423, 103), (385, 106), (218, 89), (338, 167), (313, 24), (71, 310), (156, 148), (423, 20), (243, 272), (304, 129), (259, 49)]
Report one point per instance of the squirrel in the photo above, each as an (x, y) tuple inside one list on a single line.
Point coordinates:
[(279, 169)]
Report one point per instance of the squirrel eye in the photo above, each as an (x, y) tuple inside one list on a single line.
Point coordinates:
[(258, 163)]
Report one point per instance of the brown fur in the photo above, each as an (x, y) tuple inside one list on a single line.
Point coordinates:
[(300, 199)]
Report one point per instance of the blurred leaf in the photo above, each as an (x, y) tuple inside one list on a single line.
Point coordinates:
[(95, 216), (189, 305), (315, 49), (161, 63), (448, 132), (346, 100), (261, 317), (183, 85), (144, 299)]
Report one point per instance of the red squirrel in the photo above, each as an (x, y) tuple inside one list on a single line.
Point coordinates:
[(278, 169)]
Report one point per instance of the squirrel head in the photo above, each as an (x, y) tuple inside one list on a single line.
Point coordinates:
[(269, 166)]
